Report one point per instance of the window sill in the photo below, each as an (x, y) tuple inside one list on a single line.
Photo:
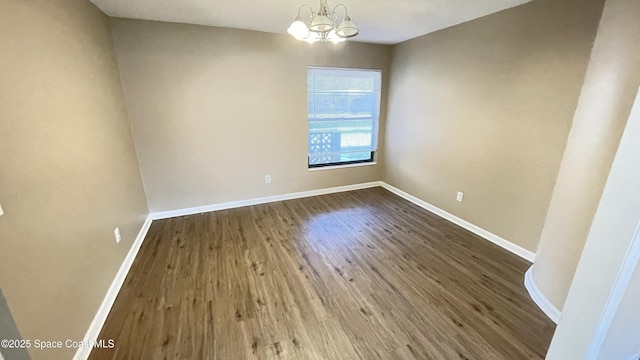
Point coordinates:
[(342, 166)]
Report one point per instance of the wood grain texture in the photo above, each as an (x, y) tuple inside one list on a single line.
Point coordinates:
[(354, 275)]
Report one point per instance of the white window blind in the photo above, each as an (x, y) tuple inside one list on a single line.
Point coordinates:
[(343, 111)]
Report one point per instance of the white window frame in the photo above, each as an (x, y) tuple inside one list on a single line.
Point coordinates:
[(374, 130)]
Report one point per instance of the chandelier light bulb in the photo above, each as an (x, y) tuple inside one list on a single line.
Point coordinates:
[(298, 29), (334, 38), (313, 37)]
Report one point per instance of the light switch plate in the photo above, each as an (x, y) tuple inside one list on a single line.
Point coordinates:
[(1, 213)]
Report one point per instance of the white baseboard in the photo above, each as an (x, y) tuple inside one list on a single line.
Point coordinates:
[(543, 303), (101, 316), (526, 254), (536, 295), (262, 200), (505, 244)]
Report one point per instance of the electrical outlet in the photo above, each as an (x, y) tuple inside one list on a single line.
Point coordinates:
[(460, 196), (267, 179), (116, 232)]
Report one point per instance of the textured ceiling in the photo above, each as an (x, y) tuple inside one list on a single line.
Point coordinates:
[(380, 21)]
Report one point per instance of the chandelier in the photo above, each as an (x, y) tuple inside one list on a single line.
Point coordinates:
[(324, 25)]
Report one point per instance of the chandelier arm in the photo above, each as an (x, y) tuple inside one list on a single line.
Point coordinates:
[(310, 10), (308, 7), (346, 13), (334, 18)]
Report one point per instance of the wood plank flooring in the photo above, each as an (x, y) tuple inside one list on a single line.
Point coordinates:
[(355, 275)]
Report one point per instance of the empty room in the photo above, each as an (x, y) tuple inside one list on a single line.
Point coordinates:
[(315, 179)]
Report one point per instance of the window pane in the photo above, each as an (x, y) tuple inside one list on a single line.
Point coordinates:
[(343, 107)]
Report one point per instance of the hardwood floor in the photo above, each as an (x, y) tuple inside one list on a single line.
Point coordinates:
[(355, 275)]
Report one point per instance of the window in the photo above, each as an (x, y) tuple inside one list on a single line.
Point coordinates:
[(343, 107)]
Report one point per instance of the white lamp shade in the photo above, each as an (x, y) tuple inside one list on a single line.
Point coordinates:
[(321, 23), (347, 29), (298, 29)]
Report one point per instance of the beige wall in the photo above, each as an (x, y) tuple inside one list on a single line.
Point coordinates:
[(611, 235), (607, 96), (215, 110), (485, 108), (68, 171)]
